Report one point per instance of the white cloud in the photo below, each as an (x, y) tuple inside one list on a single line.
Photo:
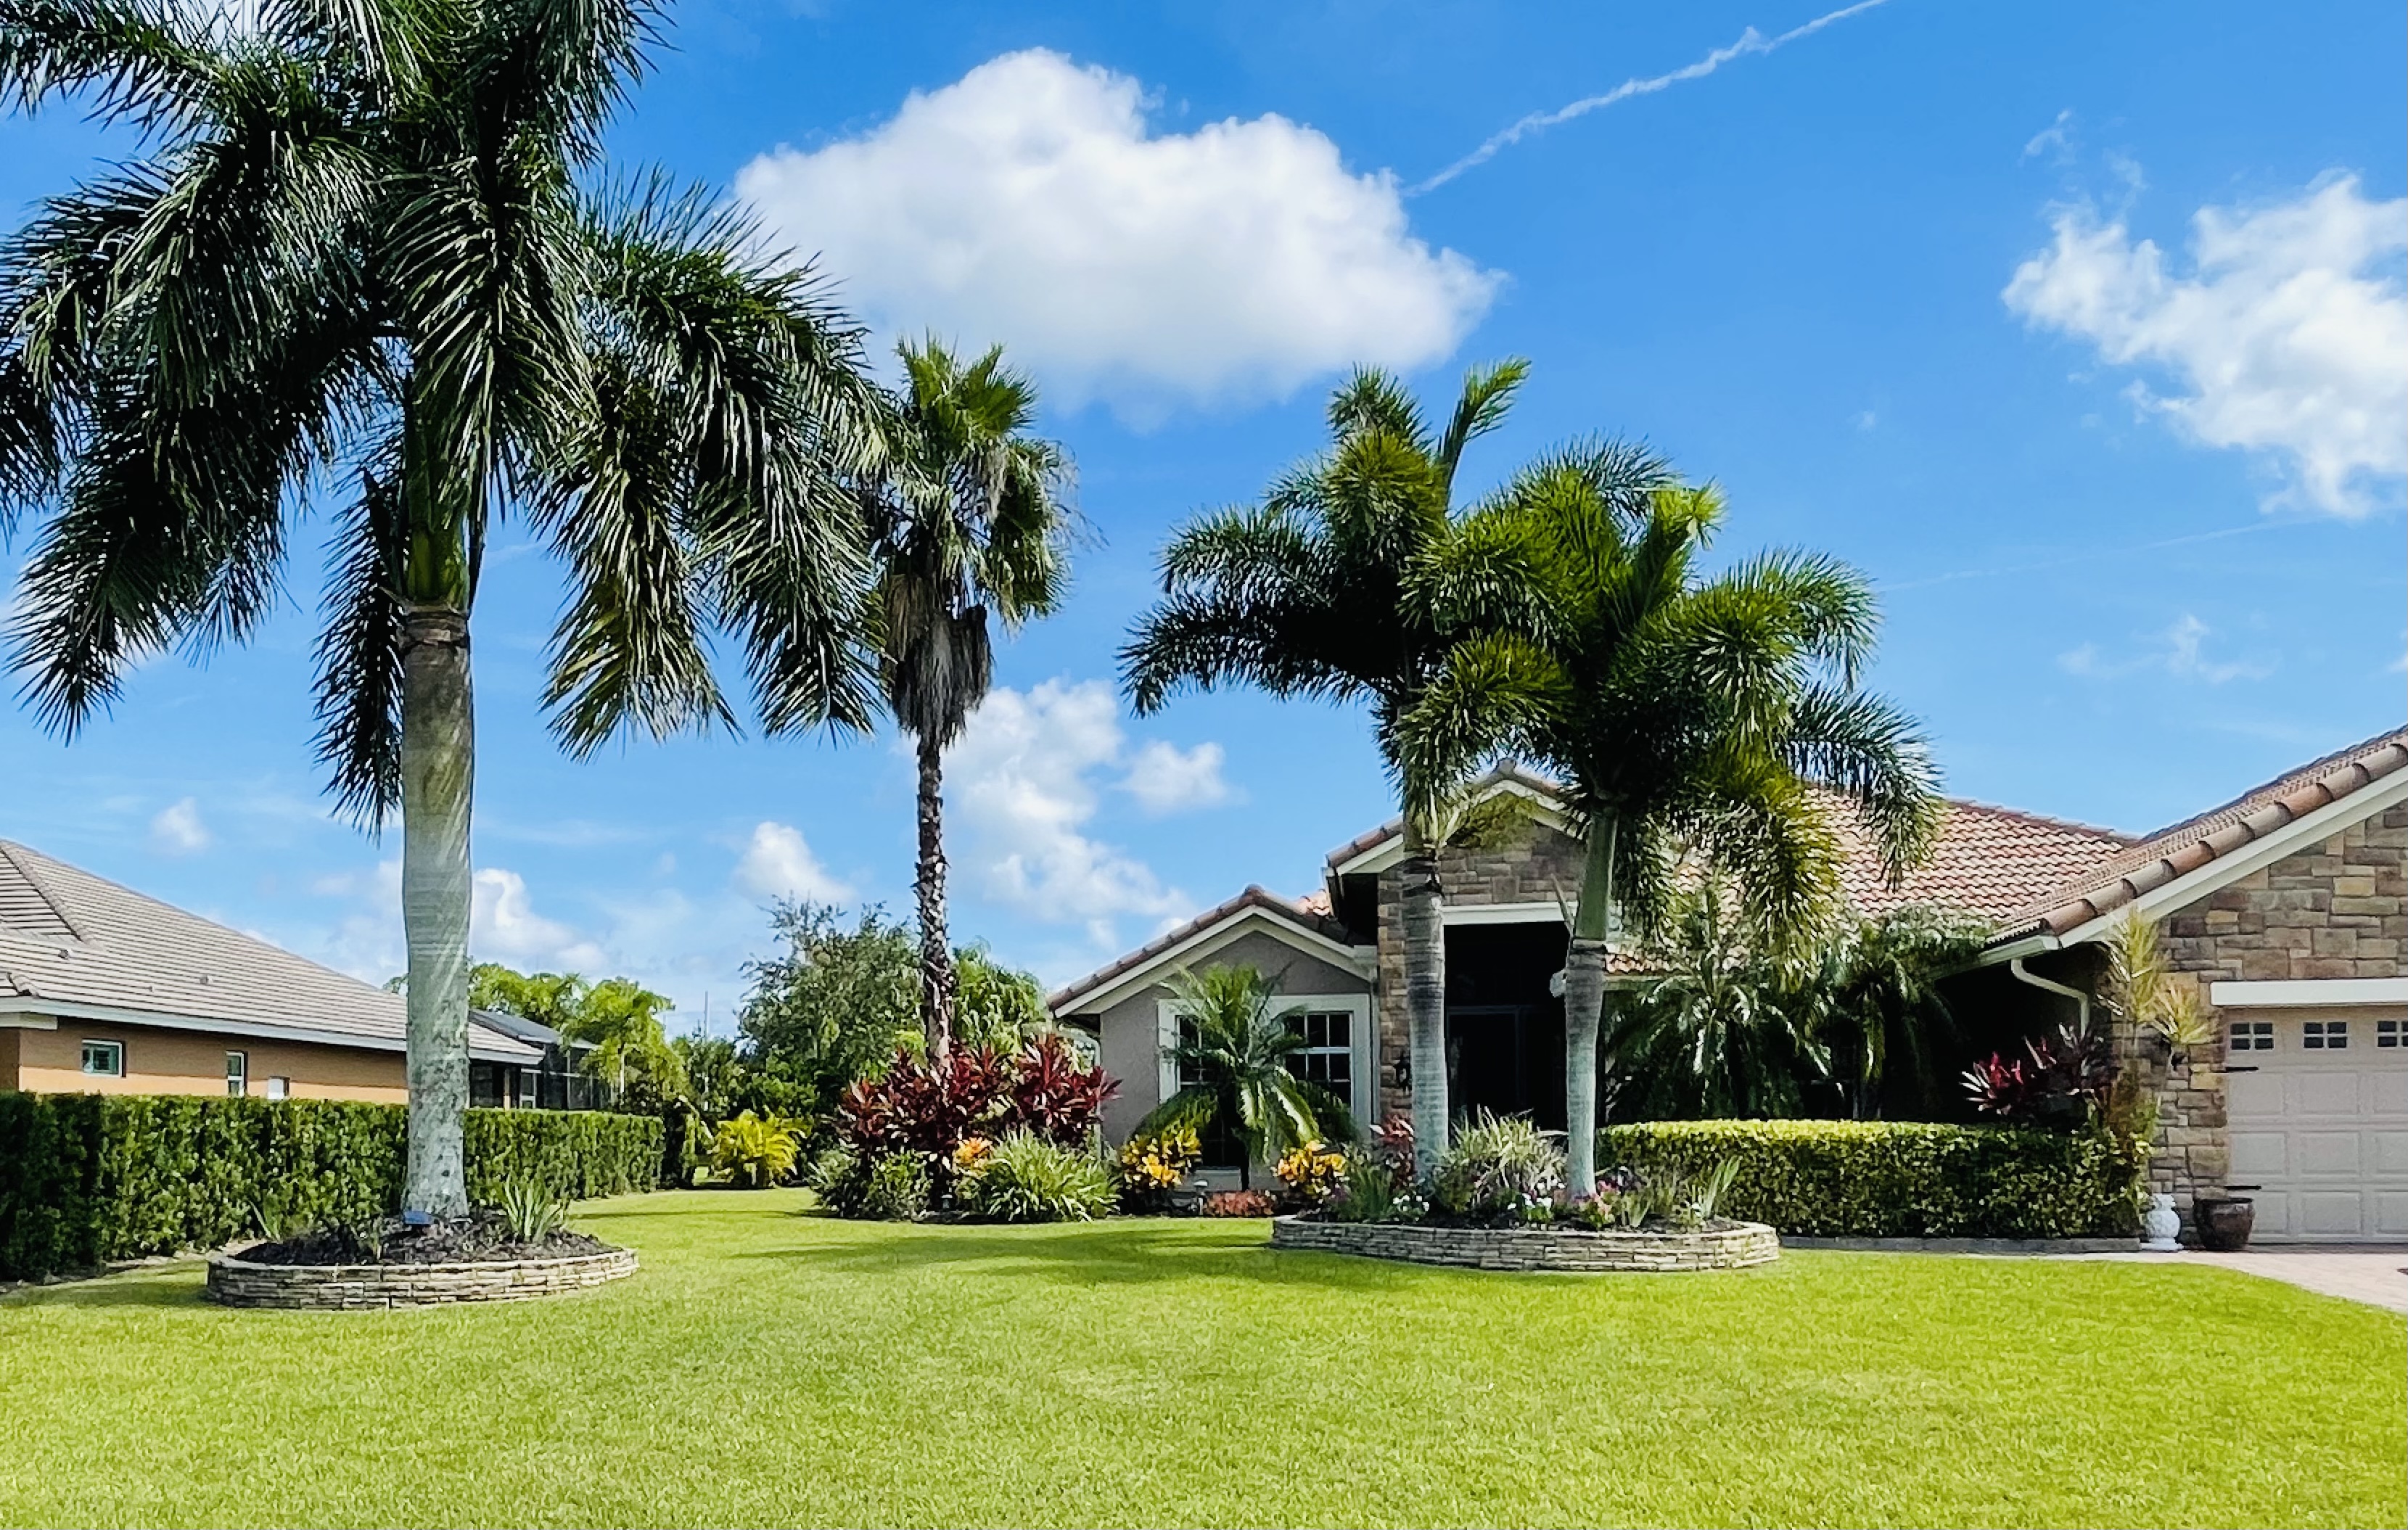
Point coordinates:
[(2289, 337), (1020, 788), (2056, 140), (177, 829), (778, 864), (2180, 651), (503, 926), (1029, 203), (1167, 780)]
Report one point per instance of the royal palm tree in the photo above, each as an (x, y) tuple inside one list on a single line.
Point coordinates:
[(1311, 594), (970, 525), (1237, 1048), (1712, 720), (363, 252)]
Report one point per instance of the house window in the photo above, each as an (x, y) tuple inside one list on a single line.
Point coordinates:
[(1327, 1058), (2387, 1033), (105, 1059), (238, 1074), (2253, 1036), (2324, 1034), (279, 1086)]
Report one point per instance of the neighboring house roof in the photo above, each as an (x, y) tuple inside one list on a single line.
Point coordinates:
[(78, 946), (1166, 949), (518, 1027), (2366, 774)]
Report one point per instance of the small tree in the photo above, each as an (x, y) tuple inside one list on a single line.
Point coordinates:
[(1237, 1048)]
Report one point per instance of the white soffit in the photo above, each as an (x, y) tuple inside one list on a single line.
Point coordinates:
[(2307, 993)]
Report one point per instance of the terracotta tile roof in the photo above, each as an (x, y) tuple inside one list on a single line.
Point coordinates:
[(70, 938), (2158, 858), (1989, 861), (1299, 914)]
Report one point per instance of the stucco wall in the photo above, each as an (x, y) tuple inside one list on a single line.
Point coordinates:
[(165, 1062), (1129, 1032), (2337, 910), (1538, 865)]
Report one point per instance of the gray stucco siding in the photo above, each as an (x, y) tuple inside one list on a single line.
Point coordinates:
[(1129, 1031)]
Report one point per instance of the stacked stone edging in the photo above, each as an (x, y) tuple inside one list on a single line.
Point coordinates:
[(238, 1282), (1567, 1249)]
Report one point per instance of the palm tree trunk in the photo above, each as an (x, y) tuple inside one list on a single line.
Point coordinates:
[(936, 947), (437, 769), (1585, 1008), (1424, 912)]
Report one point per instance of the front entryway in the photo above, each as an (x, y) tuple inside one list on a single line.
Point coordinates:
[(1504, 1028), (2316, 1105)]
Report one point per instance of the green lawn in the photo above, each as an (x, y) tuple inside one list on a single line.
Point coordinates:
[(774, 1369)]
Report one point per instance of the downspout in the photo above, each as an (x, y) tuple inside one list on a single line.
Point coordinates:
[(2081, 999)]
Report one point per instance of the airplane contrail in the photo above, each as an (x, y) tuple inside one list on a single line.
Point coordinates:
[(1750, 42)]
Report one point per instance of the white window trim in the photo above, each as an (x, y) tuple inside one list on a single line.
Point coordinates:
[(104, 1041), (1365, 1087), (242, 1076)]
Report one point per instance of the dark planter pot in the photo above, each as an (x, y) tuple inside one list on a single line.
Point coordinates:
[(2224, 1225)]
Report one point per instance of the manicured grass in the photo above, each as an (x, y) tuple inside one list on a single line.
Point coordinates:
[(774, 1369)]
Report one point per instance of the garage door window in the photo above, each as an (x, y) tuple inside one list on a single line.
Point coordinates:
[(2387, 1033), (2253, 1036), (2324, 1034)]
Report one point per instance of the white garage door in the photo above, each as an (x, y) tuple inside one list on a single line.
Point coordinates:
[(2318, 1111)]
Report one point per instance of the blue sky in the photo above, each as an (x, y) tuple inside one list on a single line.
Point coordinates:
[(2080, 328)]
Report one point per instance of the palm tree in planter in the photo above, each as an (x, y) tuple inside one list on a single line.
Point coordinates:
[(1711, 721), (1234, 1048), (361, 248), (1313, 593), (970, 525)]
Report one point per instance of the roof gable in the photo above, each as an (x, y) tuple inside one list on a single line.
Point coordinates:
[(1298, 922), (2190, 859)]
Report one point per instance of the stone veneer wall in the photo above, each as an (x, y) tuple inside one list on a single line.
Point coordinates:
[(2338, 911), (1537, 868), (238, 1282), (1534, 1247)]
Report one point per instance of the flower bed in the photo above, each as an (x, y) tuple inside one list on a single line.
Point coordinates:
[(1727, 1245), (237, 1281)]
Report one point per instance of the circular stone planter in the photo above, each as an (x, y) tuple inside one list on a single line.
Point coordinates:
[(236, 1282), (1571, 1248)]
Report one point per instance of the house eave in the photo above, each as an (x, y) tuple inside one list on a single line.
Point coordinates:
[(28, 1011)]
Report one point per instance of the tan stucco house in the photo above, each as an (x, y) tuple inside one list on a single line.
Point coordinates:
[(2288, 905), (103, 989)]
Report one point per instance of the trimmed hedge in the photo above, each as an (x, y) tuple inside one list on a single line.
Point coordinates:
[(87, 1179), (1881, 1179)]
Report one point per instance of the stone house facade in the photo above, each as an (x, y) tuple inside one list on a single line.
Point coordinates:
[(2288, 906)]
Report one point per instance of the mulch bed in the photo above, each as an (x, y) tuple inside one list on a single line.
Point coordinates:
[(482, 1238)]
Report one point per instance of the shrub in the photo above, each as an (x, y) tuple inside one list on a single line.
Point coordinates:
[(1872, 1179), (1498, 1165), (896, 1189), (931, 1109), (1027, 1178), (87, 1179), (840, 1176), (1238, 1203), (1154, 1163), (753, 1152), (1311, 1172)]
